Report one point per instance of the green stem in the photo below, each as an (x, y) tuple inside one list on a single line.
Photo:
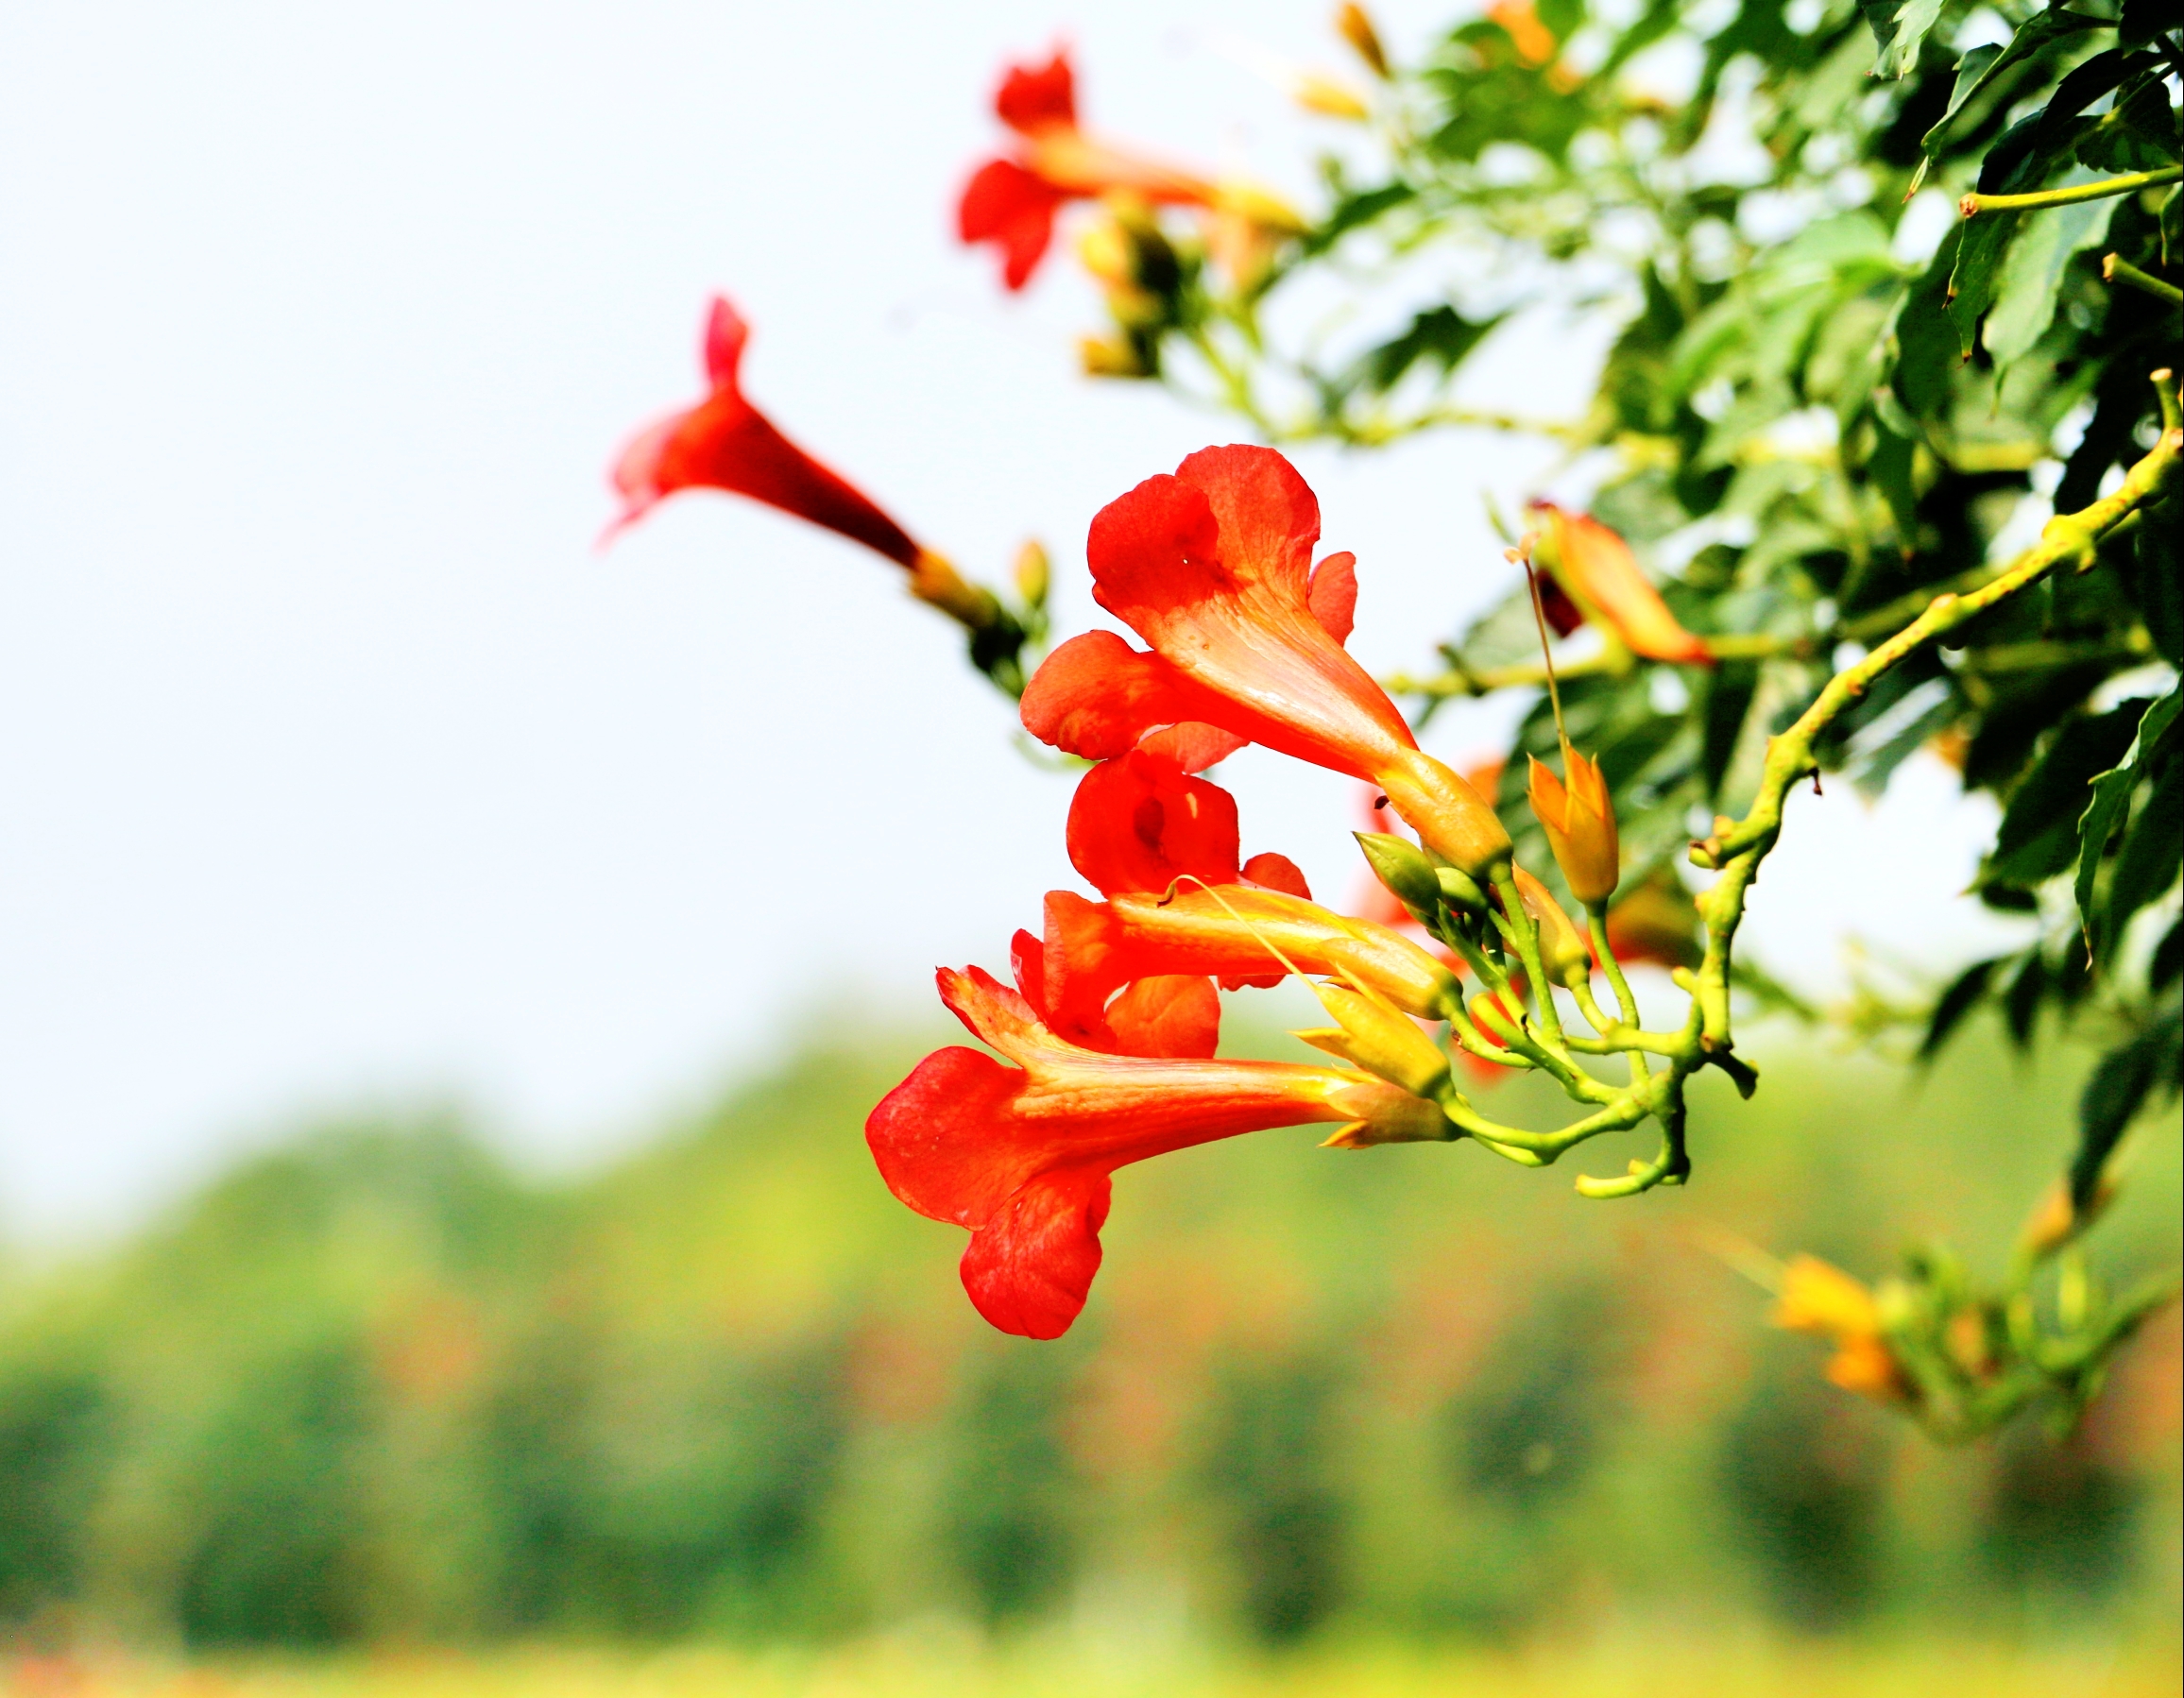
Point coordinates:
[(2067, 539), (2117, 269), (1972, 204)]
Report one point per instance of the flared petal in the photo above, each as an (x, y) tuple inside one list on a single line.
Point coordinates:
[(1036, 97), (1029, 1269), (1097, 697), (1212, 567), (1138, 824), (1014, 208), (1176, 1015)]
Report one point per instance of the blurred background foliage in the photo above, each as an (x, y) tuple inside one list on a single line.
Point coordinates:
[(373, 1388)]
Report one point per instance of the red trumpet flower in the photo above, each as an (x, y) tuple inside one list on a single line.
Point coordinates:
[(1230, 932), (726, 443), (1021, 1155), (1213, 567), (1140, 823), (1011, 201)]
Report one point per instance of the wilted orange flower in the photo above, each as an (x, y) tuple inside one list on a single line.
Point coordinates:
[(1021, 1155), (1817, 1297), (1598, 570), (726, 443), (1213, 567), (1579, 822)]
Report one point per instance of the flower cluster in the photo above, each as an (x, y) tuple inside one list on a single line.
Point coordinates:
[(1115, 1019)]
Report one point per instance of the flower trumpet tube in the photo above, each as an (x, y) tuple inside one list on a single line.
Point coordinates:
[(1596, 569), (1021, 1154), (1213, 567), (1236, 933), (1579, 822), (1011, 202), (726, 443)]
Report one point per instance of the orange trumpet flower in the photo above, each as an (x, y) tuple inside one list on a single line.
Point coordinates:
[(1021, 1155), (1011, 201), (726, 443), (1213, 567)]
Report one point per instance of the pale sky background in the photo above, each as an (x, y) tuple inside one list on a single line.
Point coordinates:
[(338, 769)]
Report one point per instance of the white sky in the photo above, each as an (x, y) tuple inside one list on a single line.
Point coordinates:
[(337, 768)]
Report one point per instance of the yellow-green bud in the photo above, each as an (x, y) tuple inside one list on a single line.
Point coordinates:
[(1032, 573), (1380, 1037), (1402, 866)]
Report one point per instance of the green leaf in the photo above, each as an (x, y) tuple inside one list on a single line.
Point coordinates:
[(1950, 1008), (2039, 836), (2021, 1002), (1439, 335), (2031, 275), (1926, 357), (2087, 83), (1899, 27), (2106, 813), (2124, 1078), (2014, 165), (2152, 851), (1978, 68)]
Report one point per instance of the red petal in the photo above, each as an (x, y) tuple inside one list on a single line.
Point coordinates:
[(1212, 567), (1029, 1269), (1083, 962), (940, 1137), (1034, 96), (1172, 1015), (1333, 595), (1095, 696), (725, 334), (1277, 873), (1011, 208), (1136, 823), (1193, 746), (1028, 966)]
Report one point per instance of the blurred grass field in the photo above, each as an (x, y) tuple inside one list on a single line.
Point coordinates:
[(1332, 1424), (915, 1665)]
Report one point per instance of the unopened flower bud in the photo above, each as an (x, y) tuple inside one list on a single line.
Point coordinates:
[(1563, 953), (1579, 822), (1032, 573), (1458, 890), (1402, 866), (1105, 252), (1374, 1034), (1387, 1114), (1111, 357), (1330, 98), (1355, 27)]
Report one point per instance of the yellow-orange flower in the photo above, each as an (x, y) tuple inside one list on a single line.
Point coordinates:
[(1817, 1297), (1579, 822)]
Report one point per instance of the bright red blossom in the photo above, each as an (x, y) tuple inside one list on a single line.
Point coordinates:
[(1213, 567), (1021, 1155), (726, 443), (1011, 201)]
